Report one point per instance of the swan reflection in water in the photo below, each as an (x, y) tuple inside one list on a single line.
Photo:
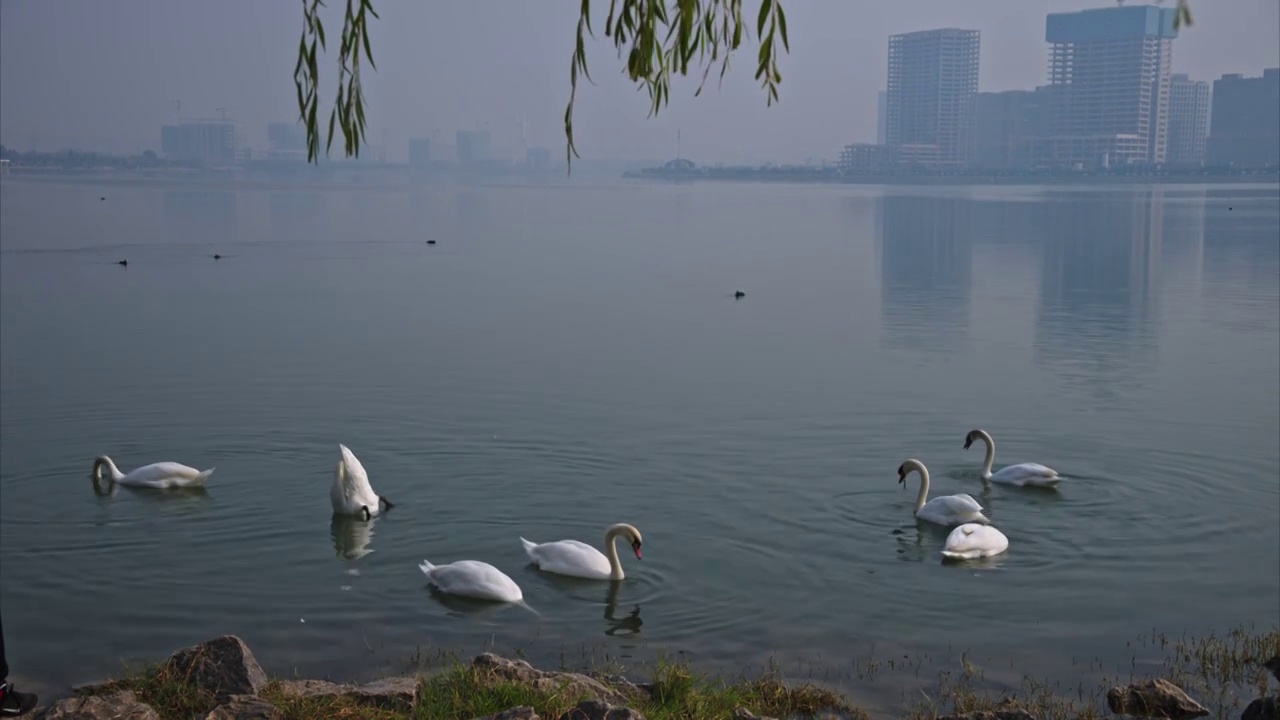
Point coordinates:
[(351, 536), (628, 625)]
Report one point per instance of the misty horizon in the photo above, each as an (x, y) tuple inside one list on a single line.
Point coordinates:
[(106, 77)]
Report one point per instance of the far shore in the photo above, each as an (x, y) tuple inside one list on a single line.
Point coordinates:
[(374, 178)]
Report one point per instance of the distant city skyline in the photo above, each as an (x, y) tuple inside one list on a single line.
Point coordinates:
[(85, 75)]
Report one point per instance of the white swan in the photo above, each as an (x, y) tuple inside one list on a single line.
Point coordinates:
[(1023, 474), (351, 493), (944, 510), (473, 579), (972, 540), (577, 559), (161, 475)]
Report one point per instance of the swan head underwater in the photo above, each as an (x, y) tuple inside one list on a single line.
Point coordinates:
[(906, 468), (100, 462), (973, 435)]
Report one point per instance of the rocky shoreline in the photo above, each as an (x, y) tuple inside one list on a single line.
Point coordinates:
[(221, 680)]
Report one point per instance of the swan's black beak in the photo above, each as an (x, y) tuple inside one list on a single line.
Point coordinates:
[(636, 547), (967, 443)]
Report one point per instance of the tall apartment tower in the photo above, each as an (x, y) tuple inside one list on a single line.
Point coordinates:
[(933, 84), (1109, 73), (1189, 102), (1245, 129)]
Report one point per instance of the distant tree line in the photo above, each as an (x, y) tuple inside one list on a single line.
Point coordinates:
[(76, 159)]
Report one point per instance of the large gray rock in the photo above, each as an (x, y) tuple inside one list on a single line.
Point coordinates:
[(245, 707), (629, 690), (223, 666), (121, 705), (1154, 698), (1010, 714), (516, 713), (1264, 708), (523, 672), (1273, 665), (310, 688), (600, 710), (395, 693)]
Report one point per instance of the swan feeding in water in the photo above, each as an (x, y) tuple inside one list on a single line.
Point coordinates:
[(972, 540), (578, 559), (161, 475), (1023, 474), (944, 510), (351, 493), (473, 579)]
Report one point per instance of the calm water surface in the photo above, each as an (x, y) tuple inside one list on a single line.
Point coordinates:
[(566, 358)]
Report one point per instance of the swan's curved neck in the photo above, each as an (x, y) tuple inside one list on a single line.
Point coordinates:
[(113, 472), (924, 486), (991, 454), (611, 551)]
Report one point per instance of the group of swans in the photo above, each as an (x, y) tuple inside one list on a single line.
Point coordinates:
[(973, 536), (353, 495), (480, 580)]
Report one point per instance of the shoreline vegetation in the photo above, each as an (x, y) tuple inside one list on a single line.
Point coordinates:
[(1228, 676)]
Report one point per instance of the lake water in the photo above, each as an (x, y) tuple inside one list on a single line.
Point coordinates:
[(569, 357)]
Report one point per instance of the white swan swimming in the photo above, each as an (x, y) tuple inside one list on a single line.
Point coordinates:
[(351, 493), (972, 540), (473, 579), (944, 510), (161, 475), (1023, 474), (578, 559)]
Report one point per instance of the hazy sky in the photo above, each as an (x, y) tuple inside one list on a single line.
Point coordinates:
[(105, 75)]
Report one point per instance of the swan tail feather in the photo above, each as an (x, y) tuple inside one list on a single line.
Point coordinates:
[(204, 475), (528, 547), (426, 567), (526, 606), (385, 501)]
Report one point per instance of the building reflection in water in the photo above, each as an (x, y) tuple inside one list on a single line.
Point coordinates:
[(1097, 321), (201, 216), (1241, 250), (925, 252)]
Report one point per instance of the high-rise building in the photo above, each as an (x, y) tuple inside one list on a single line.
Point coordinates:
[(473, 147), (1006, 125), (419, 152), (208, 142), (882, 108), (1188, 120), (933, 81), (1245, 129), (1109, 82), (287, 141)]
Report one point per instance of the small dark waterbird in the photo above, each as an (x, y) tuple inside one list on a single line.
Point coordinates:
[(124, 263), (738, 295), (431, 242)]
